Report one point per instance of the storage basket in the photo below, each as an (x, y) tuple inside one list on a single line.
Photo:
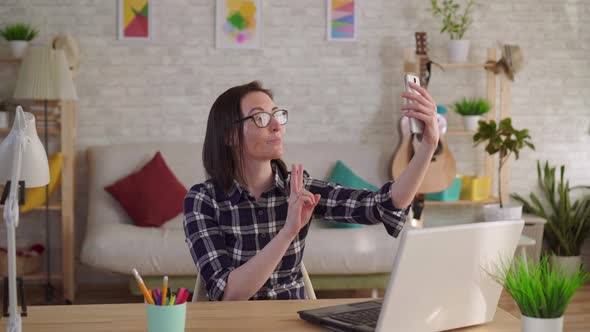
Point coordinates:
[(448, 195), (24, 264), (475, 188)]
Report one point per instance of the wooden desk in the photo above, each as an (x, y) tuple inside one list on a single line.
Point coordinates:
[(203, 316)]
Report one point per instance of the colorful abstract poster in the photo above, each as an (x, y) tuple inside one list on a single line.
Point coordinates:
[(135, 19), (238, 24), (342, 21)]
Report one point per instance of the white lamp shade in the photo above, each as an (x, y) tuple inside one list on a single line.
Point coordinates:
[(44, 74), (34, 165)]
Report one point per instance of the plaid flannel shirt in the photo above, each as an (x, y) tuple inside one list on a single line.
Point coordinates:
[(224, 230)]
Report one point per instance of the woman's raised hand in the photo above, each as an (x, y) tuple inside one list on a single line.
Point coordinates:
[(301, 203), (423, 108)]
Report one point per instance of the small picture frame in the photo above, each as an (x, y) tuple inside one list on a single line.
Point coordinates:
[(342, 20), (238, 24), (134, 21)]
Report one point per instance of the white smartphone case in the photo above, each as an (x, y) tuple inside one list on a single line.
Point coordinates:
[(416, 126)]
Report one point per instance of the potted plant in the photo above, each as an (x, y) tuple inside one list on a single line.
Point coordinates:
[(471, 111), (18, 36), (455, 24), (568, 225), (542, 292), (505, 140)]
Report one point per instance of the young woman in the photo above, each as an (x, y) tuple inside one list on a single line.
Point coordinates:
[(246, 225)]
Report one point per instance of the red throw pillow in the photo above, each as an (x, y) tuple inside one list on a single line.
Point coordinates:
[(152, 195)]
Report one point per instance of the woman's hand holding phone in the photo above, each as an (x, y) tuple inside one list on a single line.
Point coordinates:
[(421, 107)]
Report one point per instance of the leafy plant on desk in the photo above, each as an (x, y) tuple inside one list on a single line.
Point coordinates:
[(568, 224), (539, 290), (503, 139), (19, 31)]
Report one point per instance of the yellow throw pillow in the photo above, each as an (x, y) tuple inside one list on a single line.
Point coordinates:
[(36, 196)]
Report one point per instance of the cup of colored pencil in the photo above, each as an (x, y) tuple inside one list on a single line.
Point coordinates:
[(166, 310)]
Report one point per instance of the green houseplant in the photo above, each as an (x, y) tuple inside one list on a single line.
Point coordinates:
[(471, 111), (18, 36), (541, 291), (568, 221), (455, 24), (505, 140)]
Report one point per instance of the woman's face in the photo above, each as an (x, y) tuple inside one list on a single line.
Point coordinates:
[(266, 143)]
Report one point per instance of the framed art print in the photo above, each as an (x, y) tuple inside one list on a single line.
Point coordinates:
[(135, 19), (238, 24), (342, 20)]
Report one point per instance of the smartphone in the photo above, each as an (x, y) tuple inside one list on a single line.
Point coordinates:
[(416, 126)]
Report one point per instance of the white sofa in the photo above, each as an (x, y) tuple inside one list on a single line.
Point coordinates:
[(334, 257)]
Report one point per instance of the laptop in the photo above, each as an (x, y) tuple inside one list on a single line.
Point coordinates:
[(438, 282)]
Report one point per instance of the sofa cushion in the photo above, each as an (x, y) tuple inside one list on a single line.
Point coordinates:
[(162, 250), (150, 196), (344, 176), (154, 251)]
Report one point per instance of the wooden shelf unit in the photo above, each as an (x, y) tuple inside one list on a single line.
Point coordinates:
[(64, 202), (40, 132), (459, 132), (52, 207), (462, 65), (490, 200), (411, 63), (10, 60), (41, 276)]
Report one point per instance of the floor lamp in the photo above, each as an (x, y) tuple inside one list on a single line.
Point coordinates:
[(23, 163), (45, 75)]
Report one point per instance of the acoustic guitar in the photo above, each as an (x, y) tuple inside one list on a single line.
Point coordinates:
[(422, 59), (442, 169)]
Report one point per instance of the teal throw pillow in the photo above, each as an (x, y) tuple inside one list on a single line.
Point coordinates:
[(344, 176)]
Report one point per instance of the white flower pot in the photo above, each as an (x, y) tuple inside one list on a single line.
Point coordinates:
[(531, 324), (470, 122), (570, 264), (18, 47), (493, 212), (3, 119), (458, 51)]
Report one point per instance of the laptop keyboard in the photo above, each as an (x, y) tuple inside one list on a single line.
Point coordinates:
[(359, 317)]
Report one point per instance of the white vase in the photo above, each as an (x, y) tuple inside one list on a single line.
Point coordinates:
[(493, 212), (3, 119), (18, 47), (458, 51), (470, 122), (570, 264), (532, 324)]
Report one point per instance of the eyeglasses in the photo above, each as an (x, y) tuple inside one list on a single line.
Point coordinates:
[(262, 119)]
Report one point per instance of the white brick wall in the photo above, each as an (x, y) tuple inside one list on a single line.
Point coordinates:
[(345, 92)]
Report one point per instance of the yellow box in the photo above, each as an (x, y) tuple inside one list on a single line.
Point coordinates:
[(475, 188)]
